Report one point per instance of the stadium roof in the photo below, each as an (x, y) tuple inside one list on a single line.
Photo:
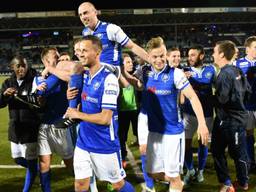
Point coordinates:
[(54, 5)]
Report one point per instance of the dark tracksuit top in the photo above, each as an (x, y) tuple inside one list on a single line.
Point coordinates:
[(230, 122)]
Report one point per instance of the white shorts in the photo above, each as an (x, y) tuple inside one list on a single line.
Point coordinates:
[(107, 167), (165, 153), (52, 140), (251, 120), (190, 125), (142, 129), (26, 150)]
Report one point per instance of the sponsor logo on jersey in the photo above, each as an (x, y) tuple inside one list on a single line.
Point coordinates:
[(110, 92), (91, 99), (159, 91)]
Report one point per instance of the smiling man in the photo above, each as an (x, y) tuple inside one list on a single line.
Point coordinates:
[(165, 145)]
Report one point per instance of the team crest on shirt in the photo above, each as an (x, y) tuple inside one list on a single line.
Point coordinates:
[(99, 35), (113, 173), (208, 75), (165, 78), (96, 85), (24, 92), (150, 74)]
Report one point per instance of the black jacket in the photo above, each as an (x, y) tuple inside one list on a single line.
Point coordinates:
[(232, 89), (23, 120)]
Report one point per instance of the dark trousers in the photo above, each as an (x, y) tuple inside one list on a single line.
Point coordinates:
[(232, 135), (124, 120)]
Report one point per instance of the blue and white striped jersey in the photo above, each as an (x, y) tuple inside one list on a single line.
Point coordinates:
[(99, 92), (160, 99), (249, 69), (112, 38), (202, 81)]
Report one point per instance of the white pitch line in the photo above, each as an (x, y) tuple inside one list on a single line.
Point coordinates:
[(20, 167)]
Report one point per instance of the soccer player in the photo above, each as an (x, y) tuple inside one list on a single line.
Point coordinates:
[(51, 139), (165, 146), (24, 120), (248, 65), (201, 78), (231, 118), (111, 36), (173, 57), (97, 147)]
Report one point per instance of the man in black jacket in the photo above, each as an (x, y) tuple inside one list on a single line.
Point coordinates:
[(231, 117), (24, 121)]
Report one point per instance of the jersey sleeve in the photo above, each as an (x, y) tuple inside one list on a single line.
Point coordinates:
[(180, 79), (110, 93), (115, 33)]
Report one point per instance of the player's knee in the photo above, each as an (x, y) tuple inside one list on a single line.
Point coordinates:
[(117, 186), (143, 149), (44, 165)]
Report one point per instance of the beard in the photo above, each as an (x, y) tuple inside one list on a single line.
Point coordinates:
[(198, 62)]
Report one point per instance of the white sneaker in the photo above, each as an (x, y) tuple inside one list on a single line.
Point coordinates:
[(189, 176), (200, 176)]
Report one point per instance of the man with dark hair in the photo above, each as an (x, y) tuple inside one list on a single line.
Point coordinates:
[(24, 120), (97, 148), (201, 77), (173, 57), (248, 65), (231, 118), (64, 56)]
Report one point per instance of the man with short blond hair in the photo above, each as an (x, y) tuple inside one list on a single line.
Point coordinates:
[(161, 85)]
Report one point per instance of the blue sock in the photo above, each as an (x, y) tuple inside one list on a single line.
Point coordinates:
[(52, 81), (76, 81), (21, 161), (250, 148), (189, 159), (30, 175), (202, 156), (228, 182), (148, 180), (45, 179), (127, 187)]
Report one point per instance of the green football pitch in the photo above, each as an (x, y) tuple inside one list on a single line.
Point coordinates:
[(11, 179)]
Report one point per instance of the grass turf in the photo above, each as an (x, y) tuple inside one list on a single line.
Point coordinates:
[(12, 179)]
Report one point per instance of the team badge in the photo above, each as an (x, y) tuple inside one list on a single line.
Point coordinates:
[(150, 74), (208, 75), (165, 78), (96, 85), (24, 92), (99, 35)]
